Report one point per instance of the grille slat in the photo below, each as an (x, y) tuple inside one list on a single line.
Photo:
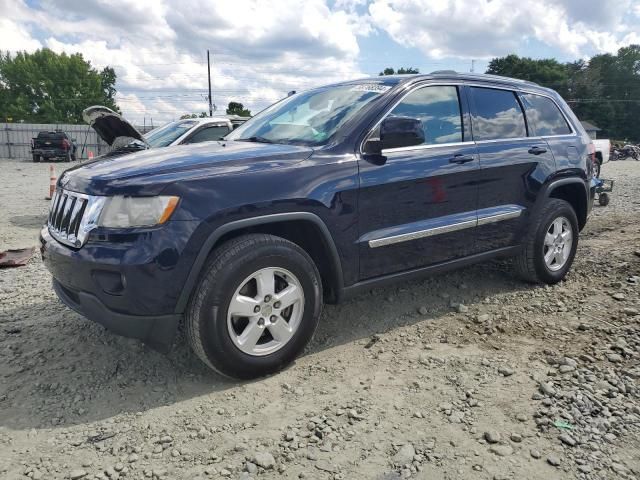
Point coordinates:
[(66, 217), (58, 221)]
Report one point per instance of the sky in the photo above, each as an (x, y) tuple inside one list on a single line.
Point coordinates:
[(262, 49)]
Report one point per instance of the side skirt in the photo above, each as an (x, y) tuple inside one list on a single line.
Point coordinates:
[(378, 282)]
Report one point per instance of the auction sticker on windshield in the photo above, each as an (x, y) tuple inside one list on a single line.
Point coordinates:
[(370, 87)]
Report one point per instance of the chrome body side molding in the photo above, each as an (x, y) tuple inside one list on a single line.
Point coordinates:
[(439, 226)]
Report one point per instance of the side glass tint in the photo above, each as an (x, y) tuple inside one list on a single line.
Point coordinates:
[(497, 115), (438, 108), (208, 134), (545, 116)]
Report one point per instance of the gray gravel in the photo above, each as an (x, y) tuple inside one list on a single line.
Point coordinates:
[(523, 382)]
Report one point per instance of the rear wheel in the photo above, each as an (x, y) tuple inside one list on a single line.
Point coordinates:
[(36, 158), (550, 245), (256, 307)]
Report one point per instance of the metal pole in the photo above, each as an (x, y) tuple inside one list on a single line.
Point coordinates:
[(6, 129), (209, 72)]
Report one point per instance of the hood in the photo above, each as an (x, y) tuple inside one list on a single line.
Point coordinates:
[(111, 127), (148, 171)]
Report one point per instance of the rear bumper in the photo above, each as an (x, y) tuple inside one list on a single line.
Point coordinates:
[(49, 153), (157, 331)]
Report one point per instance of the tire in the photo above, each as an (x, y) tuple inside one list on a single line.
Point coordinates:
[(603, 199), (67, 157), (233, 269), (36, 158), (597, 166), (530, 263)]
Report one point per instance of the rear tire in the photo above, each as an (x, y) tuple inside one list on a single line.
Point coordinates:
[(236, 276), (550, 245), (36, 158)]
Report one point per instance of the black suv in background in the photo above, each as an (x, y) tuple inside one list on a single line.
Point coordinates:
[(325, 194), (53, 145)]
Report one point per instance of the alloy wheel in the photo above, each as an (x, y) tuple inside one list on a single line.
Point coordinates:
[(557, 244), (265, 311)]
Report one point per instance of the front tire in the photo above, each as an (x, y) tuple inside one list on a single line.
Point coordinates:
[(256, 306), (551, 244)]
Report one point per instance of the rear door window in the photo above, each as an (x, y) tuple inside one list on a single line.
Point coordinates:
[(438, 108), (497, 114), (545, 116)]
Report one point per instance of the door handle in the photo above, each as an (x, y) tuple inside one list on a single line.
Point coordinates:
[(537, 150), (460, 158)]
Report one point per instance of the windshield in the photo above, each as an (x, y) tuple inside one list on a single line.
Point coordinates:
[(163, 136), (309, 118)]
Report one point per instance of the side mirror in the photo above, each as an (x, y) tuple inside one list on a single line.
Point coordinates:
[(401, 132)]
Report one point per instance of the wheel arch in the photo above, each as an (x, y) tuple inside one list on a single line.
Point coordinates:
[(573, 191), (302, 228)]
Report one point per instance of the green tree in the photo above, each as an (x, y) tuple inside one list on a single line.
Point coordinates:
[(401, 71), (46, 87), (548, 72), (235, 108)]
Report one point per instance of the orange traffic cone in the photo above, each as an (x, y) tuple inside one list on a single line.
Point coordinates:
[(52, 182)]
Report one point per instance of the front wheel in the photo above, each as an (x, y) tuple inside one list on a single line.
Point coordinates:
[(551, 244), (256, 307)]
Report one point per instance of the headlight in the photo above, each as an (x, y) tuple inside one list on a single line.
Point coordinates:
[(124, 212)]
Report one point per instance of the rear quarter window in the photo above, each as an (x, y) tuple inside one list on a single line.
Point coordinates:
[(497, 114), (545, 116)]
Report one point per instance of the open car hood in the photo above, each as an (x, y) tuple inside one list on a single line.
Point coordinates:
[(111, 127)]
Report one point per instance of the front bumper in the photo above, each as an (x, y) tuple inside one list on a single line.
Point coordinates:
[(158, 331), (128, 284)]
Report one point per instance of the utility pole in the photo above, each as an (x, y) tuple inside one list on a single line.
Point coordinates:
[(209, 72), (473, 64)]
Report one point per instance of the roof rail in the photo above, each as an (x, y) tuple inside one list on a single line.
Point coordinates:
[(449, 72)]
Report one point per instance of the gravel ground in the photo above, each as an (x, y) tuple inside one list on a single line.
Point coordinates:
[(473, 374)]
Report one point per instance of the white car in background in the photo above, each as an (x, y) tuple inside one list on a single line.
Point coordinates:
[(603, 150), (124, 138)]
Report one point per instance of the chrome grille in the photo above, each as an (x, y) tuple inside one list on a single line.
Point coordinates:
[(72, 215)]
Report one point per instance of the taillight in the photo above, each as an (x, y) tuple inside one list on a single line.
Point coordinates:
[(591, 149)]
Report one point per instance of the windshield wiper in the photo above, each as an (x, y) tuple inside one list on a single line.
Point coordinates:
[(256, 139)]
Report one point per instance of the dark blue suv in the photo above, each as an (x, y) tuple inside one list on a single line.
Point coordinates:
[(324, 194)]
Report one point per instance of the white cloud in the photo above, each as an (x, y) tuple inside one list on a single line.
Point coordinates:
[(488, 28), (15, 37), (263, 49)]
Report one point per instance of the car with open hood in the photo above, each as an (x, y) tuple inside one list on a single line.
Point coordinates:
[(123, 137)]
